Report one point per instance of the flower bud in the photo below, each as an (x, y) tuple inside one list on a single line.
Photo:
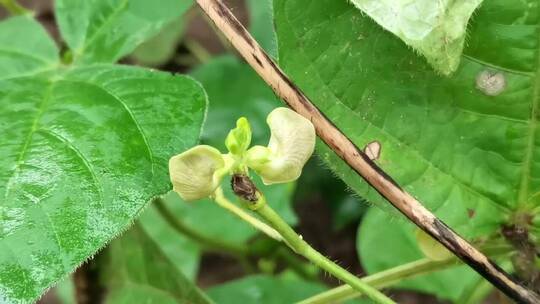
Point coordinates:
[(292, 142), (239, 138), (194, 173)]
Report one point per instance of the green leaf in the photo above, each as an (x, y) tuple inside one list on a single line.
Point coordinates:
[(106, 30), (263, 289), (181, 251), (137, 272), (375, 241), (469, 156), (18, 57), (436, 29), (160, 48), (261, 24), (81, 158), (83, 149)]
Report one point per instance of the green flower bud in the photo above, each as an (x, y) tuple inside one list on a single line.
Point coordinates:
[(430, 247), (291, 144), (195, 174), (239, 138)]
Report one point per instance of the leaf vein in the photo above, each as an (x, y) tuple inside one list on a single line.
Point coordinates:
[(111, 17), (528, 161), (420, 156), (130, 114), (86, 163), (28, 139)]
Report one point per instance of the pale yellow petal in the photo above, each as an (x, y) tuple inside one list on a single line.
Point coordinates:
[(193, 172), (291, 144)]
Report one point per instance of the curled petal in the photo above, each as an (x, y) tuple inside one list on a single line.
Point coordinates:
[(194, 172), (291, 144)]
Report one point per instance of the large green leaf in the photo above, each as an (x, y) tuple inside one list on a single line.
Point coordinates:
[(37, 52), (106, 30), (181, 251), (263, 289), (160, 48), (83, 150), (436, 29), (465, 145), (137, 272), (375, 241)]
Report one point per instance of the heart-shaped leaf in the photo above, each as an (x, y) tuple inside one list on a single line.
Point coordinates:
[(83, 150), (106, 30)]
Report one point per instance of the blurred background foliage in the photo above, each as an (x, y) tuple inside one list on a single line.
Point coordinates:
[(248, 268)]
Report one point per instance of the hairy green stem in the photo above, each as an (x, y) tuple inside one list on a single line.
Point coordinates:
[(380, 280), (304, 270), (13, 7), (303, 248), (392, 276), (206, 242), (238, 251), (222, 201)]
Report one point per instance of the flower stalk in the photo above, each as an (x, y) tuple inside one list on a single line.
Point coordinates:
[(395, 275), (223, 202), (301, 247), (255, 200)]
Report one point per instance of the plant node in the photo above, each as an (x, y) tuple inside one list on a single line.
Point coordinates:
[(525, 258)]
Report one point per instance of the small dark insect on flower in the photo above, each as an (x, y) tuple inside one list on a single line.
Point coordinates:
[(243, 187)]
